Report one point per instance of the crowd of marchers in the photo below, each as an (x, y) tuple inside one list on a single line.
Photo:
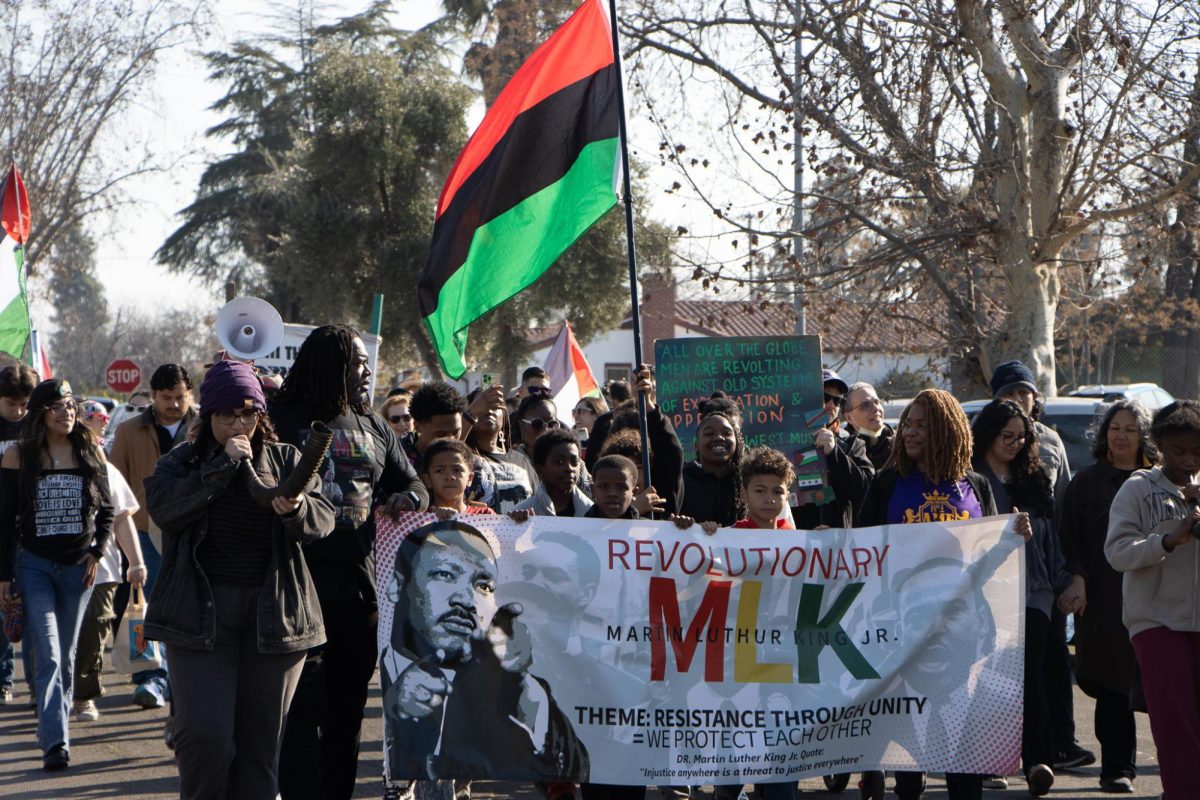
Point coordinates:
[(258, 564)]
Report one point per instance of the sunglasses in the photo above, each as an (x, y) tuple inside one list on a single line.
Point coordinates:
[(538, 424), (63, 407), (396, 419), (539, 391), (833, 398)]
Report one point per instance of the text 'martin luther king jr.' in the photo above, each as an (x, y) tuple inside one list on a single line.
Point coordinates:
[(459, 701)]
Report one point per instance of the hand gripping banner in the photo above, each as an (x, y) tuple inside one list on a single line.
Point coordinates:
[(630, 652)]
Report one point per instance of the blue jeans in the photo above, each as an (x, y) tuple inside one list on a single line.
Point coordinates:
[(55, 602), (153, 561)]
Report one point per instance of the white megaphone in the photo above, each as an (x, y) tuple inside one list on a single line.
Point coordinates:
[(249, 328)]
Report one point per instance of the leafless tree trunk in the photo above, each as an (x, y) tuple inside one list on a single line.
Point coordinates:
[(1181, 356)]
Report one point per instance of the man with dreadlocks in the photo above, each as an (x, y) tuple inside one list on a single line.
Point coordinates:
[(365, 469), (929, 479)]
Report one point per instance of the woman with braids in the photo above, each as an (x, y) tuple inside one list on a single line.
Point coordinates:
[(365, 469), (711, 491), (235, 601), (1103, 655), (1006, 452), (929, 479), (56, 516)]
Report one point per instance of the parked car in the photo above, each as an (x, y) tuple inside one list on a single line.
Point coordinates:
[(1151, 395), (1075, 419)]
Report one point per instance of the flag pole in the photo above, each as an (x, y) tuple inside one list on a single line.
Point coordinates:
[(631, 251)]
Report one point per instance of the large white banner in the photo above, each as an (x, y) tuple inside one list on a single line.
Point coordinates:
[(629, 652)]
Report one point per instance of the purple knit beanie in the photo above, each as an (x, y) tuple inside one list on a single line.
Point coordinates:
[(231, 385)]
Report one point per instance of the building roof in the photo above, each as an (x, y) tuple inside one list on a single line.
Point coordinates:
[(845, 326)]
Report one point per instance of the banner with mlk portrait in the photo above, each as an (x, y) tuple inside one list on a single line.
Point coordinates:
[(630, 652)]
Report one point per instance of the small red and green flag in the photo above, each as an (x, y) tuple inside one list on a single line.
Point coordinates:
[(540, 170), (14, 309)]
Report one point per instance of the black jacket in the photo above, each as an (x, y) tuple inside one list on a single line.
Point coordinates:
[(178, 496), (709, 498), (879, 449), (850, 473), (875, 505)]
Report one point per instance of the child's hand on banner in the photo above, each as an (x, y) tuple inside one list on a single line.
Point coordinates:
[(1024, 528)]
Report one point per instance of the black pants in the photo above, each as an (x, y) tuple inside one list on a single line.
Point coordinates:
[(1117, 732), (320, 747), (230, 705), (1060, 696), (909, 785), (1037, 741)]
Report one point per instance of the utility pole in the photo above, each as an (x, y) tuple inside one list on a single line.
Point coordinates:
[(798, 178)]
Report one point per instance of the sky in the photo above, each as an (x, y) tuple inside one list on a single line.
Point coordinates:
[(176, 112)]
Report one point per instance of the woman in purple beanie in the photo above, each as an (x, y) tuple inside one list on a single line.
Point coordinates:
[(234, 601)]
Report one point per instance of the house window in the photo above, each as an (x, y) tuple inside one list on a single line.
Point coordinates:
[(617, 372)]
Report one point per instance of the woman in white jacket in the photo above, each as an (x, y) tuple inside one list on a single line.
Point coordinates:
[(1152, 540)]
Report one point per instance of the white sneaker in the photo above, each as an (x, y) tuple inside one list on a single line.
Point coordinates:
[(995, 782), (86, 711)]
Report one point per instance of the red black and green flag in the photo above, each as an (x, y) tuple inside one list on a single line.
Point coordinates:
[(539, 171)]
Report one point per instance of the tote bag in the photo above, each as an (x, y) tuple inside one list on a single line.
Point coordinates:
[(132, 651)]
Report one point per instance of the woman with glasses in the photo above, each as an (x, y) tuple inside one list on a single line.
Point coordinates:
[(585, 413), (395, 411), (534, 416), (235, 602), (1006, 452), (56, 515)]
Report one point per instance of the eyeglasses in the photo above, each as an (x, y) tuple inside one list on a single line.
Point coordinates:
[(1010, 439), (870, 401), (539, 391), (63, 407), (538, 424), (396, 419), (582, 410), (247, 418), (833, 398)]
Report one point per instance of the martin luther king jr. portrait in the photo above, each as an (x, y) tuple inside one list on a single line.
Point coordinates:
[(459, 700)]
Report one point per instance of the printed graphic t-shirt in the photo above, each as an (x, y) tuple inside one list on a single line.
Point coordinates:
[(915, 499)]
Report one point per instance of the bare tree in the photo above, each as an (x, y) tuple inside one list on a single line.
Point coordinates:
[(73, 69), (971, 144)]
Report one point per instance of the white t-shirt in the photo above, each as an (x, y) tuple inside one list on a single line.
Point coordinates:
[(173, 429), (124, 502)]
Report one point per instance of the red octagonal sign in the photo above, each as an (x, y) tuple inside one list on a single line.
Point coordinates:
[(123, 375)]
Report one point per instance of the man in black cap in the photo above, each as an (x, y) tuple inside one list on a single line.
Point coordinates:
[(849, 471), (1014, 381)]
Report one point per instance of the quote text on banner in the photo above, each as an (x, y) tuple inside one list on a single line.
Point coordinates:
[(630, 652)]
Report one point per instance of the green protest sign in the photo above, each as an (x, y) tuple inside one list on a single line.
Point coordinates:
[(776, 379)]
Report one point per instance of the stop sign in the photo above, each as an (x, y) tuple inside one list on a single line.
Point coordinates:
[(123, 375)]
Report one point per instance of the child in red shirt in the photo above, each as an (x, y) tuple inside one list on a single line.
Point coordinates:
[(766, 475)]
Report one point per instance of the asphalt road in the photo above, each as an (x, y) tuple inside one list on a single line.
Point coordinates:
[(123, 755)]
